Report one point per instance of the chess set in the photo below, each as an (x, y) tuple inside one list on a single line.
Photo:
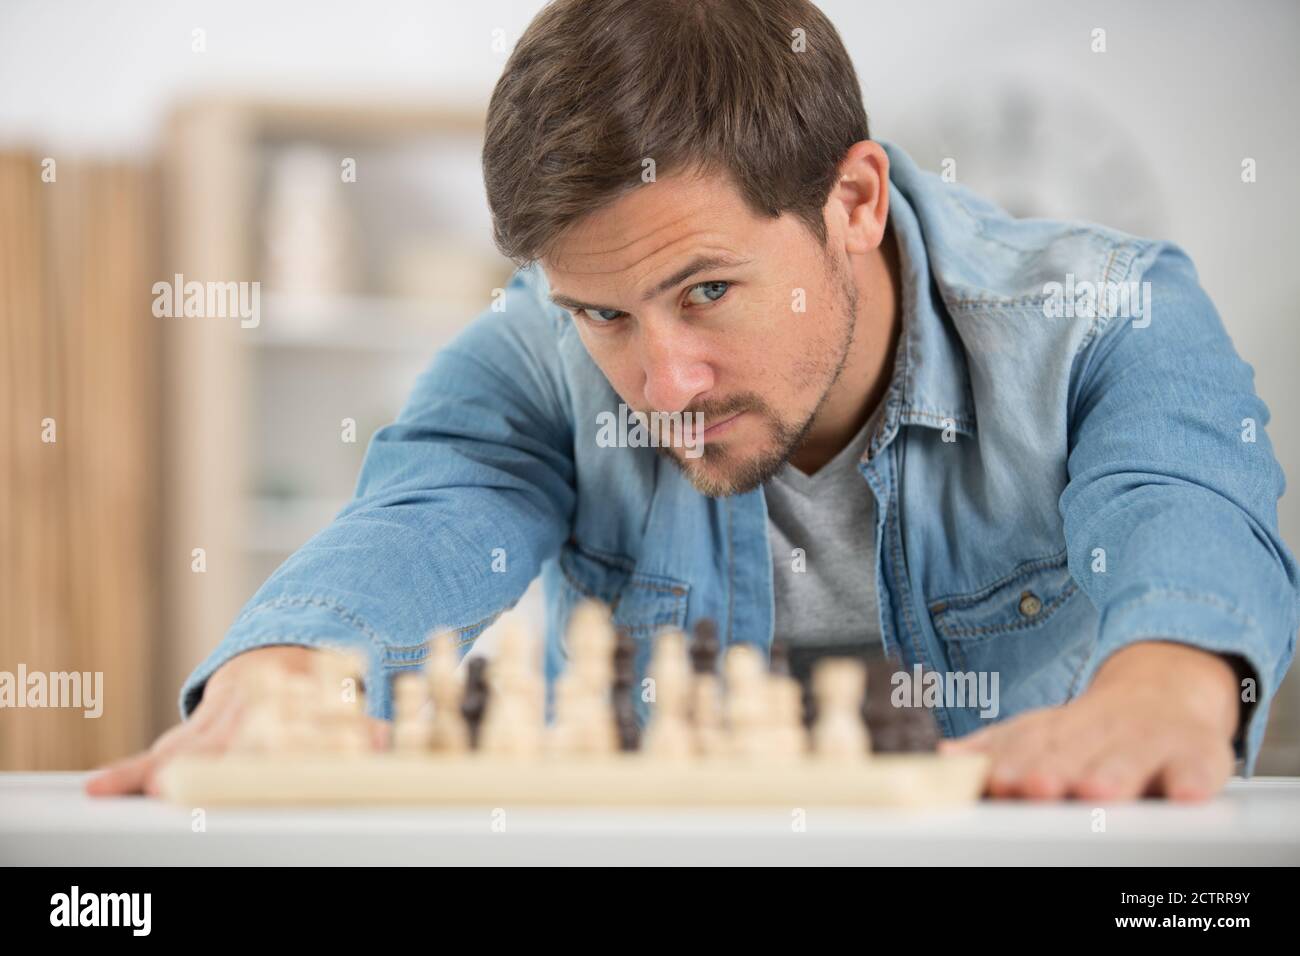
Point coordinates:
[(746, 733)]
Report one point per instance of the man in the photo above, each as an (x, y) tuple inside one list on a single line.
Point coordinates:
[(901, 420)]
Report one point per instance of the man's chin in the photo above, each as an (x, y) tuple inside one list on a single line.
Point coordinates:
[(717, 474)]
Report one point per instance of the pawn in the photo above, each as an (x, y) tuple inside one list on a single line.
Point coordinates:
[(839, 733), (779, 658), (788, 725), (787, 736), (704, 647), (669, 735), (562, 737), (301, 710), (513, 726), (446, 687), (706, 702), (625, 723), (747, 701), (591, 644), (338, 678), (412, 730), (262, 730), (475, 701), (584, 718)]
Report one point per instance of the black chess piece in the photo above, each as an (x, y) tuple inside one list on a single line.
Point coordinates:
[(779, 658), (788, 661), (809, 699), (895, 729), (704, 648), (474, 701), (629, 733)]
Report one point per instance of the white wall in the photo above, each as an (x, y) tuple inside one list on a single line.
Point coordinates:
[(1193, 86)]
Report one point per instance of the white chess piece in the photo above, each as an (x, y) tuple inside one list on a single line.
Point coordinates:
[(342, 700), (668, 736), (706, 715), (446, 688), (839, 733), (746, 701), (513, 725), (412, 728), (262, 729), (584, 718), (301, 711), (787, 739)]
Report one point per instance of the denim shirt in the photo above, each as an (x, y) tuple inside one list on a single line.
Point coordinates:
[(1053, 482)]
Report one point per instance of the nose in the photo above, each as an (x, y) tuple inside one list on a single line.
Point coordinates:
[(674, 366)]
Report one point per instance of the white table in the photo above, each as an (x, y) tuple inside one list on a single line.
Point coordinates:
[(45, 819)]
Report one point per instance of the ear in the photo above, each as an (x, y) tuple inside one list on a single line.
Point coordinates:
[(859, 200)]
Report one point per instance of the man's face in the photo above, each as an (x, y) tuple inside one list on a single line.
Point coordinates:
[(689, 302)]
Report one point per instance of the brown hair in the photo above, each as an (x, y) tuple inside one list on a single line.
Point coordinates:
[(594, 87)]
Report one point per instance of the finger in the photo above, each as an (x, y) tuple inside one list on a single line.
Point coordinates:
[(123, 777), (1074, 743), (1015, 753), (1196, 776), (381, 732), (1073, 736), (215, 738), (129, 775), (219, 737), (1124, 769)]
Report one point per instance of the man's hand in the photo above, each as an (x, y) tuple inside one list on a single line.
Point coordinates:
[(1157, 720), (212, 726)]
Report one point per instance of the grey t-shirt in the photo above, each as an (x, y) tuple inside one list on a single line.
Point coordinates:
[(830, 516)]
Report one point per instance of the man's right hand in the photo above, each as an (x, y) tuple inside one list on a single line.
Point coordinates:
[(212, 726)]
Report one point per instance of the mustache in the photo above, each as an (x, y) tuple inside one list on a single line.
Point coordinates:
[(714, 411)]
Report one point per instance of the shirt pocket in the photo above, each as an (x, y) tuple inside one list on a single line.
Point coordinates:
[(1023, 601), (641, 603), (1032, 628)]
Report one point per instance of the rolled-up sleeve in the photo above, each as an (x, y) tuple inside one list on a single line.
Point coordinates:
[(459, 503), (1171, 507)]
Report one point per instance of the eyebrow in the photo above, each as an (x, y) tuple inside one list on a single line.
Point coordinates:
[(695, 266)]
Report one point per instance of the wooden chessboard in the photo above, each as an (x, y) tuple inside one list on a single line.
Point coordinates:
[(478, 736), (883, 780)]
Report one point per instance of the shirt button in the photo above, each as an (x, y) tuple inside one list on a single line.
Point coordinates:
[(1030, 604)]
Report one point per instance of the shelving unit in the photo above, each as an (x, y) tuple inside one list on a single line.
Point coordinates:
[(255, 458)]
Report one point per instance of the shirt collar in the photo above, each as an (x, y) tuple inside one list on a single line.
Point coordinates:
[(930, 384)]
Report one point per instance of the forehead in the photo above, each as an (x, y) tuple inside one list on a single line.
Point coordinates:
[(652, 229)]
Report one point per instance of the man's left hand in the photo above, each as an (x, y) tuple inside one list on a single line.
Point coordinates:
[(1158, 719)]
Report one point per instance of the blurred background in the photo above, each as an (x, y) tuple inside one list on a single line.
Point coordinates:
[(157, 469)]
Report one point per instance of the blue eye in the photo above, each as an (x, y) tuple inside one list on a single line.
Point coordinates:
[(602, 316), (712, 291)]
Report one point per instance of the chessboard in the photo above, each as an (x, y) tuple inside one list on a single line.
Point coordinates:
[(746, 733)]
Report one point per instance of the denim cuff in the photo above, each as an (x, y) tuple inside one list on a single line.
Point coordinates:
[(304, 622), (1209, 623)]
